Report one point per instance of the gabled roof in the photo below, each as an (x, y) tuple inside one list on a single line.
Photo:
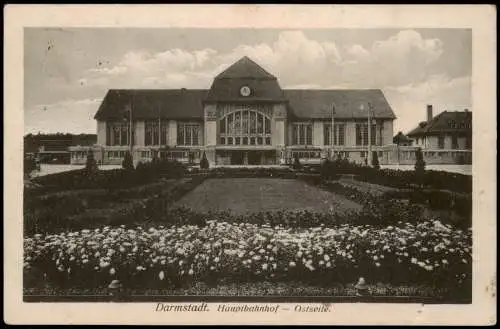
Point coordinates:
[(149, 103), (318, 104), (264, 87), (245, 68), (446, 122)]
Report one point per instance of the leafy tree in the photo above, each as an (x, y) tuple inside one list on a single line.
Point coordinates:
[(29, 165), (420, 167), (296, 162), (375, 162), (420, 163), (128, 162), (91, 164), (204, 161)]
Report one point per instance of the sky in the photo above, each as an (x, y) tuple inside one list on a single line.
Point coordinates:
[(67, 72)]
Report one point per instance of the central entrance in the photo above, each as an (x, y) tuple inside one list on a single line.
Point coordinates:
[(246, 157)]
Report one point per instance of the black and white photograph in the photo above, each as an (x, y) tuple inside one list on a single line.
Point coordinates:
[(248, 166)]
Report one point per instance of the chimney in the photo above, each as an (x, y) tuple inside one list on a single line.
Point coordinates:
[(429, 113)]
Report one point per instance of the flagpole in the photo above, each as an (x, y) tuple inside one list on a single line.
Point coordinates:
[(369, 135), (331, 133), (130, 119)]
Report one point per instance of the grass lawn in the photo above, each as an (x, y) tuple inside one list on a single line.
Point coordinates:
[(241, 195)]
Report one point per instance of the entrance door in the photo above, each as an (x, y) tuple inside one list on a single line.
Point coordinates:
[(254, 157), (237, 157)]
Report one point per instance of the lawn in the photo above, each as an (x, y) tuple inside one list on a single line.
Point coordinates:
[(241, 195)]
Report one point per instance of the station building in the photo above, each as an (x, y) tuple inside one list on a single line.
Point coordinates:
[(245, 118)]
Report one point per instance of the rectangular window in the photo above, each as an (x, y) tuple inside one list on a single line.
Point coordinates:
[(338, 134), (454, 142), (118, 133), (268, 140), (468, 143), (362, 134), (223, 140), (302, 134), (245, 140), (188, 134), (441, 142)]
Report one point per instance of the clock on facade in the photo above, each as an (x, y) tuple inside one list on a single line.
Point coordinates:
[(245, 91)]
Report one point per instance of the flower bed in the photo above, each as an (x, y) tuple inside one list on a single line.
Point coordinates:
[(426, 253)]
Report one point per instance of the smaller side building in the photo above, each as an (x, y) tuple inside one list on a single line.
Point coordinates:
[(445, 138)]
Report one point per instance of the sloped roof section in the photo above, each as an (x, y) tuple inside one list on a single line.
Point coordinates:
[(458, 122), (245, 68), (317, 104), (264, 87), (152, 103)]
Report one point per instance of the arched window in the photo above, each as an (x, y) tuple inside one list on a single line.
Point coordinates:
[(245, 127)]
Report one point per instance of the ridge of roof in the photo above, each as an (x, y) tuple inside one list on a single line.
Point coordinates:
[(433, 126), (245, 68)]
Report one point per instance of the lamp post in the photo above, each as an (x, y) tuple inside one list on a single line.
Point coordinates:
[(369, 127)]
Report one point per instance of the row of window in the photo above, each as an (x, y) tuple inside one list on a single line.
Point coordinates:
[(454, 142), (245, 141), (156, 133), (243, 127)]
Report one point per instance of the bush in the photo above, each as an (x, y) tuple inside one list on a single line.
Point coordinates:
[(420, 163), (204, 161), (128, 162), (296, 162), (91, 164), (29, 165), (375, 163)]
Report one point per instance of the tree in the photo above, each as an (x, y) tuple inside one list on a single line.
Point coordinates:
[(296, 162), (29, 165), (204, 161), (91, 164), (375, 163), (128, 162), (420, 165)]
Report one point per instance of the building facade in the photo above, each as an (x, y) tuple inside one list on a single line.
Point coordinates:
[(445, 138), (245, 118)]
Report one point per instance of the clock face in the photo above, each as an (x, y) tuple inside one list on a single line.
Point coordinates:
[(245, 91)]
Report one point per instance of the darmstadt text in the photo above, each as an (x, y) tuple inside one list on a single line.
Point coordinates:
[(161, 307)]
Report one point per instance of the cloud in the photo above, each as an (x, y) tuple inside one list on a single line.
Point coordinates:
[(72, 116), (409, 101), (399, 65)]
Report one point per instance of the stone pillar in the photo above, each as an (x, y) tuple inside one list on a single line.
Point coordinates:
[(101, 133), (210, 132), (172, 133), (350, 133), (278, 123), (139, 129), (387, 132), (317, 133)]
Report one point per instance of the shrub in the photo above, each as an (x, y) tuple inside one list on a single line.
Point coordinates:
[(419, 163), (204, 161), (128, 162), (296, 162), (29, 165), (375, 163), (91, 164)]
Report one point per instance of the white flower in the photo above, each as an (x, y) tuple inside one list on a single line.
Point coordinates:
[(191, 272), (375, 258), (292, 264), (414, 260), (264, 267), (326, 257), (444, 261), (378, 264), (112, 271)]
